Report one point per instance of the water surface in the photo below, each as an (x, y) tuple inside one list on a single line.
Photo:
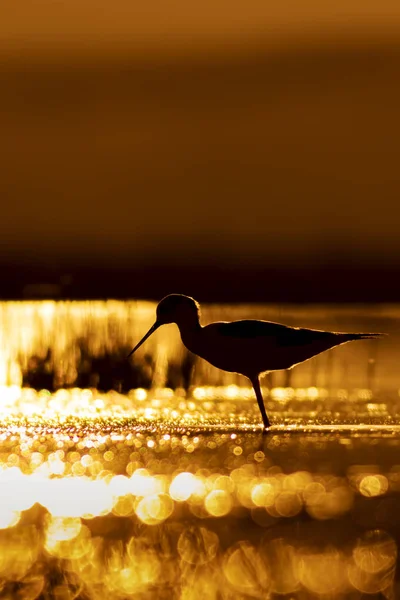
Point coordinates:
[(172, 491)]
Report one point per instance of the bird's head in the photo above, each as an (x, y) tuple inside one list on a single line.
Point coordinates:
[(175, 308)]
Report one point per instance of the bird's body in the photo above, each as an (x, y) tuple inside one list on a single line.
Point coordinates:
[(248, 347), (253, 347)]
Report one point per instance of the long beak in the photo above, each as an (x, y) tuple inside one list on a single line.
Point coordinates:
[(148, 334)]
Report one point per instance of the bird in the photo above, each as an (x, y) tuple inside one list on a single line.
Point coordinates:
[(248, 347)]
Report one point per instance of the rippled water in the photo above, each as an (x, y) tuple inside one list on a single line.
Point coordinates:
[(174, 492)]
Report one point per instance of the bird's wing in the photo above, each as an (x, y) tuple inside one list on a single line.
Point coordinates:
[(283, 335)]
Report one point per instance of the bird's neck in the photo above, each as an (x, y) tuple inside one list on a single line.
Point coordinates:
[(189, 330)]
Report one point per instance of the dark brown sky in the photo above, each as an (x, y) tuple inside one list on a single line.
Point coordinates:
[(261, 137)]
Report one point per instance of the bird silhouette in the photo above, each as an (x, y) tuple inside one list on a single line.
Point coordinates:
[(248, 347)]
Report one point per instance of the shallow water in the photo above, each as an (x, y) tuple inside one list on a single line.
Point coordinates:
[(54, 345), (176, 493)]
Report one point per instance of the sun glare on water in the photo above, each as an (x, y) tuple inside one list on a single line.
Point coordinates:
[(115, 496), (166, 488)]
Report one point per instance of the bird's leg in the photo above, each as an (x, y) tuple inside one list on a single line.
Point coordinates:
[(256, 385)]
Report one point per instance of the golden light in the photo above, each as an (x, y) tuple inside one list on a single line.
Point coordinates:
[(263, 494), (131, 571), (17, 492), (323, 572), (245, 571), (288, 504), (19, 551), (147, 493), (198, 545), (154, 509), (67, 539), (372, 569), (199, 491), (75, 497), (140, 394), (221, 482), (218, 503), (119, 485), (143, 484), (282, 394), (375, 552), (373, 485), (61, 529), (124, 506), (183, 486), (9, 518), (199, 393), (284, 566), (321, 504), (231, 392)]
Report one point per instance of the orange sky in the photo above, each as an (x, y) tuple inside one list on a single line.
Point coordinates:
[(97, 26), (233, 134)]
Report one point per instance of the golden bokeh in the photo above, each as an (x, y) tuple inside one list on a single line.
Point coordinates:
[(129, 510), (155, 492)]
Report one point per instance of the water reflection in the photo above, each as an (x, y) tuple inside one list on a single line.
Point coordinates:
[(155, 495), (164, 487)]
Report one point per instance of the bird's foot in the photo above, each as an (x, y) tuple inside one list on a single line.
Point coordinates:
[(266, 427)]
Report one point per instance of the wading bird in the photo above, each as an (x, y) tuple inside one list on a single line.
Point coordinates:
[(248, 347)]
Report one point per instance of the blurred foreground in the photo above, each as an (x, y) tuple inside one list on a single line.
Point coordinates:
[(158, 495)]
